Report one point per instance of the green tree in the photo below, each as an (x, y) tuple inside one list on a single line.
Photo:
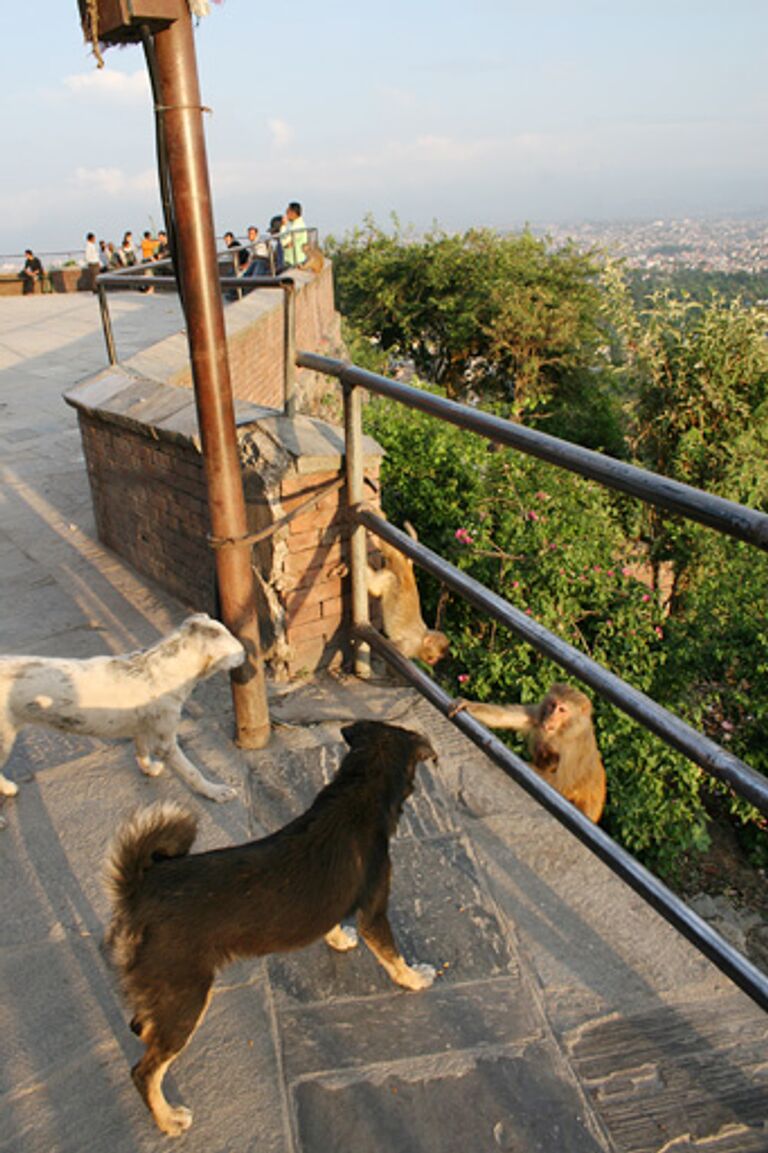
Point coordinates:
[(696, 382), (504, 317), (551, 544)]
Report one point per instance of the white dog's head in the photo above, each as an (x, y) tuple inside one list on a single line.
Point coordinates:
[(218, 648)]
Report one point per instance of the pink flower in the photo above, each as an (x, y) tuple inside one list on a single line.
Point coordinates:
[(609, 572), (596, 568), (626, 572), (726, 726), (659, 631), (645, 597), (463, 536), (531, 515), (462, 678), (542, 495)]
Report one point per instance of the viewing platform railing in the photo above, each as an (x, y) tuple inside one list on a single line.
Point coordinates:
[(721, 515)]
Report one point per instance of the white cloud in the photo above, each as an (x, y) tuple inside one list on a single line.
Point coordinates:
[(104, 84), (113, 181), (281, 132)]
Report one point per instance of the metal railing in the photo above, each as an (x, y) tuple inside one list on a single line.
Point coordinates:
[(137, 276), (722, 515)]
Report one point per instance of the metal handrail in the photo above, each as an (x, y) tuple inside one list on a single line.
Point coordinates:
[(132, 277), (728, 959), (671, 495), (725, 516), (715, 760)]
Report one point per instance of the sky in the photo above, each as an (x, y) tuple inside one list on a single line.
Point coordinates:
[(494, 113)]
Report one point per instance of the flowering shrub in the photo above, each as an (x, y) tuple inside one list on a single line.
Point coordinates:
[(554, 545)]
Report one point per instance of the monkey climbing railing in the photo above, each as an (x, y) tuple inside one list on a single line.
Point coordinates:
[(722, 515)]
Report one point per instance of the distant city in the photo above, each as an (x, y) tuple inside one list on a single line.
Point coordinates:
[(665, 245), (724, 245)]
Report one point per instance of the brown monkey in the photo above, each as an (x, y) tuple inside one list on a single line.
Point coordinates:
[(561, 740), (401, 607)]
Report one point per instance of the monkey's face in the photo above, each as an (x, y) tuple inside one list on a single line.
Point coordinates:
[(434, 647), (561, 707)]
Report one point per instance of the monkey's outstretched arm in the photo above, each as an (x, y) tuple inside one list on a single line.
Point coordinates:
[(521, 718)]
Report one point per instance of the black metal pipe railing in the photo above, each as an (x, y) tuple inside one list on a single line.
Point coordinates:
[(724, 515), (750, 784), (740, 970)]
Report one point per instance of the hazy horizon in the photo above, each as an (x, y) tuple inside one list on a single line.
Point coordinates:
[(515, 113)]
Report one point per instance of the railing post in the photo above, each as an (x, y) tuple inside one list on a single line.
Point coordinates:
[(289, 349), (358, 545), (106, 323)]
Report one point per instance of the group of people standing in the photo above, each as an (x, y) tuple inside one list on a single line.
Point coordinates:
[(108, 257), (285, 246)]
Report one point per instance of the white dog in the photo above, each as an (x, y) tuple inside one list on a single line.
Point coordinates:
[(138, 695)]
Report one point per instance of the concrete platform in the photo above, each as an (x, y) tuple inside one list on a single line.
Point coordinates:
[(567, 1016)]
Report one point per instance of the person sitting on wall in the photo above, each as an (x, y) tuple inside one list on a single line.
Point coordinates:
[(239, 260), (294, 235), (31, 272), (258, 251), (114, 257)]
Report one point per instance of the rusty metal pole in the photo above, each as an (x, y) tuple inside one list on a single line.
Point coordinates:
[(180, 105)]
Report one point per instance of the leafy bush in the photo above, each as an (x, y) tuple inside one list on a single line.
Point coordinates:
[(551, 544)]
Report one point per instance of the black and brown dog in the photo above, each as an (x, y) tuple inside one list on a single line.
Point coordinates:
[(177, 919)]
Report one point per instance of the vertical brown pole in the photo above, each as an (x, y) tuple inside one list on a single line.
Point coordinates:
[(180, 100)]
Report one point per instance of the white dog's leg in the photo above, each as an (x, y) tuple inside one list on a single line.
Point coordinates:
[(7, 738), (174, 757), (144, 759)]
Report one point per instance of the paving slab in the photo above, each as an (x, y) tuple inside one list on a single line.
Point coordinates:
[(566, 1017)]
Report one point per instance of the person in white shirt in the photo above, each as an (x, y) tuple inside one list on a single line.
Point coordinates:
[(92, 258)]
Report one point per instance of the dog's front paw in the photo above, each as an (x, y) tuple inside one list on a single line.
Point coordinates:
[(416, 977), (8, 788), (342, 938), (149, 767), (175, 1121)]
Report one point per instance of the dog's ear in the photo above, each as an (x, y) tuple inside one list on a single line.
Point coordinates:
[(361, 733)]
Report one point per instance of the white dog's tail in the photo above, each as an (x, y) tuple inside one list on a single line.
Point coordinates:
[(151, 834)]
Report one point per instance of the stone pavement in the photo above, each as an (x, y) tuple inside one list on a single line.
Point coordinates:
[(567, 1016)]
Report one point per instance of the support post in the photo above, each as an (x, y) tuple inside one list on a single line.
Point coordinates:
[(106, 323), (358, 546), (181, 107), (289, 348)]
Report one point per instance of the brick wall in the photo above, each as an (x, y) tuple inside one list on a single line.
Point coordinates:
[(255, 341), (151, 507), (150, 504)]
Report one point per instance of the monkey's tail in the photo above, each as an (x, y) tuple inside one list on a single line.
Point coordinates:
[(159, 831)]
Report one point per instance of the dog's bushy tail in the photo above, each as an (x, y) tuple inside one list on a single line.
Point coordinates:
[(160, 831)]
